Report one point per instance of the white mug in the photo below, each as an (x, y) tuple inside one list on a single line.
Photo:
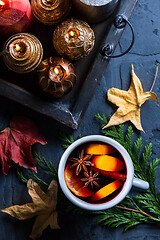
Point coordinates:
[(129, 182)]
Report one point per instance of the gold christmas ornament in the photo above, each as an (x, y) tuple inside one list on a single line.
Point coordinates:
[(50, 12), (23, 52), (73, 39), (56, 76)]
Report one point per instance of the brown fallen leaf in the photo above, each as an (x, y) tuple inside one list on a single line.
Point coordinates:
[(129, 103), (43, 206)]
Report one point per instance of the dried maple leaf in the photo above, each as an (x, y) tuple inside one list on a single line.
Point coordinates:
[(16, 141), (43, 206), (129, 103)]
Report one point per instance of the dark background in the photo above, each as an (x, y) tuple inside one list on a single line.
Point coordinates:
[(144, 54)]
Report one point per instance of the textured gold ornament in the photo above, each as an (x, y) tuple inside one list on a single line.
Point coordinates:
[(73, 39), (23, 53), (56, 76), (50, 12)]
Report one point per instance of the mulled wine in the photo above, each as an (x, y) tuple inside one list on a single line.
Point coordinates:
[(95, 172)]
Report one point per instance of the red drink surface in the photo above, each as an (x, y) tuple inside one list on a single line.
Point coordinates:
[(102, 180)]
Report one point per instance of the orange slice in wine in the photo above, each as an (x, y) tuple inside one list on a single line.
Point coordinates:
[(98, 149), (107, 163), (106, 190), (75, 184)]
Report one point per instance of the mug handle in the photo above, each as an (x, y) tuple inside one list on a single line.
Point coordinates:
[(140, 184)]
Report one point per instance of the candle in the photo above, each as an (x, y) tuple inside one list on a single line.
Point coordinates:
[(15, 16), (50, 12), (94, 11), (56, 76), (19, 49), (24, 53), (56, 73), (73, 39), (4, 4), (72, 34)]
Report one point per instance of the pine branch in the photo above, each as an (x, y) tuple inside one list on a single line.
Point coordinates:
[(102, 118), (122, 217), (22, 177), (134, 210), (48, 167), (68, 140), (135, 154), (151, 175)]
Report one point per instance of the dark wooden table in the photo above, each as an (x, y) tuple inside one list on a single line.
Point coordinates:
[(144, 54)]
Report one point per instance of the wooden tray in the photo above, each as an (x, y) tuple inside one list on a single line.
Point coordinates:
[(69, 109)]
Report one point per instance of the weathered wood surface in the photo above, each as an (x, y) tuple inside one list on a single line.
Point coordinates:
[(146, 51)]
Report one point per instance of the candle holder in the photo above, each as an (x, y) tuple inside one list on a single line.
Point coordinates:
[(22, 53), (73, 39), (56, 76), (15, 16), (50, 12)]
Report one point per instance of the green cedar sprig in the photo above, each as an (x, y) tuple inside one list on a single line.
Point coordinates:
[(68, 140), (27, 174), (47, 167)]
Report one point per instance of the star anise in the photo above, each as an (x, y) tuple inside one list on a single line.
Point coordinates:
[(81, 162), (91, 179)]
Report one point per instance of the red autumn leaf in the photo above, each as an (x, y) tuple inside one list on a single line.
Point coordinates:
[(16, 141)]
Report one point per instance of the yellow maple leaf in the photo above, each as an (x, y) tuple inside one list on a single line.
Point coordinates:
[(43, 206), (129, 103)]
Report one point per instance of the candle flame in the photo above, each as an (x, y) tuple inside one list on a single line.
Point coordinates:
[(17, 47), (71, 33), (2, 3), (56, 70), (56, 73)]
